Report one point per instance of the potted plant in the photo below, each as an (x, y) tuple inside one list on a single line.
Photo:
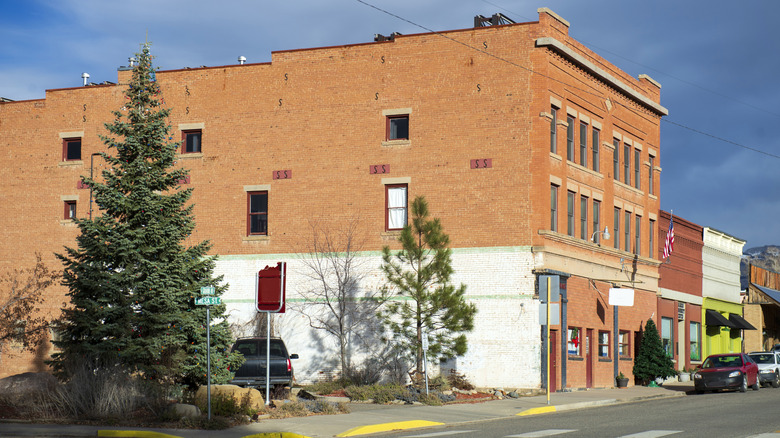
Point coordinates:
[(621, 380), (685, 375)]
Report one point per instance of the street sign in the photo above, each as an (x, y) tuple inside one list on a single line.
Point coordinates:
[(207, 290), (425, 341), (271, 287), (208, 301)]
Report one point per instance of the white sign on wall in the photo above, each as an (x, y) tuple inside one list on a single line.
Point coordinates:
[(621, 297)]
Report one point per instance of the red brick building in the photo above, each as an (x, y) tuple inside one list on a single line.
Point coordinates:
[(525, 143)]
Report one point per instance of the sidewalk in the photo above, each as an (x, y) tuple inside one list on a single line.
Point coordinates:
[(365, 419)]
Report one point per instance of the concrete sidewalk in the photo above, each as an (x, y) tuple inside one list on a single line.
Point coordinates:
[(366, 419)]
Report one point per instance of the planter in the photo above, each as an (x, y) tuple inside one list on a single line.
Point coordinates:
[(684, 377), (622, 383)]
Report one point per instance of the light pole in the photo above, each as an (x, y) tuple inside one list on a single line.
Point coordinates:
[(91, 163)]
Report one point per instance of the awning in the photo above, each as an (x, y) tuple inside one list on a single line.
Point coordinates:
[(714, 318), (740, 322)]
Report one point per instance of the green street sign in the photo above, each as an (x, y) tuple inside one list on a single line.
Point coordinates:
[(208, 301), (207, 290)]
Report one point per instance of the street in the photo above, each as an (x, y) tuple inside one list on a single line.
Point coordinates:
[(728, 414)]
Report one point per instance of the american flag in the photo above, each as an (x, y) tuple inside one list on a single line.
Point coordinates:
[(669, 244)]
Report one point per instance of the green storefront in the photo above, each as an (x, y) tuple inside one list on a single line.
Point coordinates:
[(723, 325)]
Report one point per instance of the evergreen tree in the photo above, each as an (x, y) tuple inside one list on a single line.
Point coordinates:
[(131, 280), (420, 274), (651, 359)]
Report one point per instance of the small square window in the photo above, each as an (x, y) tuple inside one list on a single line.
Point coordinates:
[(624, 343), (603, 344), (191, 141), (396, 206), (398, 127), (70, 210), (257, 213), (71, 149)]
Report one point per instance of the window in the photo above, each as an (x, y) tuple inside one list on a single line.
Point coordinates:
[(191, 141), (650, 181), (595, 146), (695, 341), (584, 144), (624, 343), (398, 127), (603, 344), (396, 201), (70, 210), (553, 208), (257, 213), (616, 159), (626, 164), (637, 234), (584, 218), (616, 227), (71, 149), (627, 231), (596, 220), (666, 336), (637, 180), (553, 136), (570, 138), (575, 342), (651, 232), (570, 213)]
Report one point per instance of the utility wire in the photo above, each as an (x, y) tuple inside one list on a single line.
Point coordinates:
[(530, 70)]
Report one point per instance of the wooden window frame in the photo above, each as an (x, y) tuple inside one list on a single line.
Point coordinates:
[(250, 215), (389, 187), (596, 214), (570, 139), (584, 218), (624, 343), (553, 207), (616, 227), (583, 144), (70, 210), (571, 225), (66, 143), (596, 138), (602, 345), (553, 130), (616, 159), (185, 137), (389, 130)]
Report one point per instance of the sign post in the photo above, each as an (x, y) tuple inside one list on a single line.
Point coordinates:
[(208, 300), (271, 289)]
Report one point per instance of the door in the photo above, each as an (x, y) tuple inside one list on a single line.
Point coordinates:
[(588, 359), (554, 360)]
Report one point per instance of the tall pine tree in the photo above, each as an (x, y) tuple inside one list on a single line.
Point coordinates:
[(651, 359), (131, 280), (420, 274)]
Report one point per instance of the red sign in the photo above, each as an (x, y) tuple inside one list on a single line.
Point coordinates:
[(271, 288)]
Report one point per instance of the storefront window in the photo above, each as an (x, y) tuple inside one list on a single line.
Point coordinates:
[(695, 341), (666, 336), (575, 344)]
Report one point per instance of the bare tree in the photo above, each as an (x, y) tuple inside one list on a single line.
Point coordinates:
[(336, 300), (22, 291)]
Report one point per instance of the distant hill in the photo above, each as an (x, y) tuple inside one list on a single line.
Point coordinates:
[(767, 257)]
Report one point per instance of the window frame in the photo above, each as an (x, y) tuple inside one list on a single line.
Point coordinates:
[(596, 214), (604, 343), (388, 208), (627, 231), (584, 217), (637, 234), (571, 348), (570, 215), (389, 121), (651, 238), (624, 343), (616, 227), (626, 164), (650, 178), (570, 138), (595, 138), (70, 210), (637, 169), (185, 137), (583, 144), (616, 159), (695, 342), (669, 345), (553, 207), (250, 215), (553, 132), (66, 148)]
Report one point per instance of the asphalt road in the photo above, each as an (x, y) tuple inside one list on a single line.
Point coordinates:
[(725, 414)]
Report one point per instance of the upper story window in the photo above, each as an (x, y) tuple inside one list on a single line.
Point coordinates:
[(627, 231), (257, 213), (70, 210), (651, 233), (616, 226), (637, 234), (71, 149), (191, 141), (584, 144), (616, 159), (398, 127), (627, 164), (650, 178), (637, 180), (596, 221), (553, 207), (396, 201), (553, 135), (584, 218), (595, 135), (570, 138), (570, 213)]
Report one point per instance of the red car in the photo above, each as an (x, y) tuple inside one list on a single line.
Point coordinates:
[(726, 371)]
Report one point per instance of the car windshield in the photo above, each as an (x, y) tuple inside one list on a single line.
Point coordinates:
[(763, 358), (722, 362)]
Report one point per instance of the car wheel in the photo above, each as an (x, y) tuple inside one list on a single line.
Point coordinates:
[(743, 387), (776, 382), (756, 385)]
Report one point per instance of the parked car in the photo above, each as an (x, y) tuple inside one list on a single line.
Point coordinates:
[(768, 367), (726, 371), (253, 372)]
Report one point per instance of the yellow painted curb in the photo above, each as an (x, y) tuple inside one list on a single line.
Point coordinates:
[(385, 427), (534, 411), (135, 434)]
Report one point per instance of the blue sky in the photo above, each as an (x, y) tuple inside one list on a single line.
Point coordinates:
[(717, 62)]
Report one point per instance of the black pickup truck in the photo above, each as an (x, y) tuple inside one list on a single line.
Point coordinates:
[(252, 372)]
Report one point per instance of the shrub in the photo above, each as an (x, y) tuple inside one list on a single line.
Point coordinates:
[(459, 381)]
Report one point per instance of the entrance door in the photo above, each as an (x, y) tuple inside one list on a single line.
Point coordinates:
[(554, 360), (588, 359)]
